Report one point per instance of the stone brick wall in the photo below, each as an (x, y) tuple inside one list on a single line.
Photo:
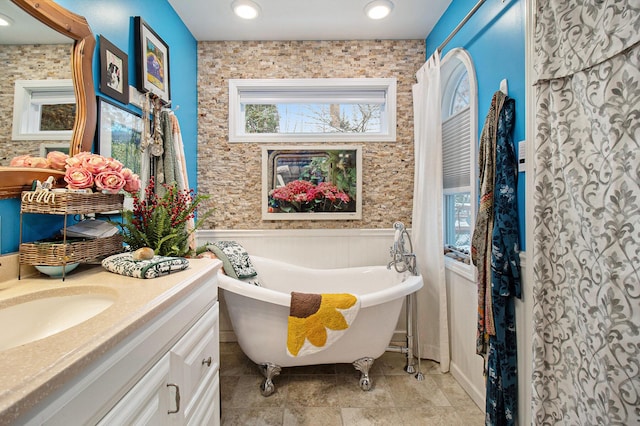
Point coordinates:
[(231, 172), (26, 62)]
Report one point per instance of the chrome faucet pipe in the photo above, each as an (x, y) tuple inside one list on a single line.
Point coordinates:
[(401, 259)]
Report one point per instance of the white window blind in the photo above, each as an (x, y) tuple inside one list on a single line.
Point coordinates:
[(319, 96), (456, 152)]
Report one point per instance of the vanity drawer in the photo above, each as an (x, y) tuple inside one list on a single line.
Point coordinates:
[(206, 403), (195, 359)]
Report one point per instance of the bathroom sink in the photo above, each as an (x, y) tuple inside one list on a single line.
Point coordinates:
[(37, 316)]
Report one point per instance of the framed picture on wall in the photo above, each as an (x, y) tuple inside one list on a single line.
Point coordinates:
[(312, 183), (114, 71), (119, 133), (152, 61)]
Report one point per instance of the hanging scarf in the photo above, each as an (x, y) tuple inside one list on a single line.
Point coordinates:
[(483, 231)]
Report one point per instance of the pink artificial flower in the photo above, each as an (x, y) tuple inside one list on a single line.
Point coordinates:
[(21, 161), (78, 178), (95, 163), (127, 173), (39, 162), (110, 181), (133, 181), (114, 164), (76, 160), (73, 162), (57, 160)]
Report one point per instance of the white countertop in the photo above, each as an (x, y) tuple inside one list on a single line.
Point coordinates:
[(31, 372)]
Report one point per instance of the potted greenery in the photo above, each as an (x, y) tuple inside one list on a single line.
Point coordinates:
[(161, 222)]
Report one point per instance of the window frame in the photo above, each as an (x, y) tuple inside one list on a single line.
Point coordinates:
[(453, 66), (236, 116), (27, 108)]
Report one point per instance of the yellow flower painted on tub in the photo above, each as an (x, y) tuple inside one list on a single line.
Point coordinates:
[(311, 315)]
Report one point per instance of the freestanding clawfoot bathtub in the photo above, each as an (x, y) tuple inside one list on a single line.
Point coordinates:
[(259, 314)]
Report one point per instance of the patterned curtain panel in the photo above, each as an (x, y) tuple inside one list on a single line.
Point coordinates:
[(572, 35), (586, 255)]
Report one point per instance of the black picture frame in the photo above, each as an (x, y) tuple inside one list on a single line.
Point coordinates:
[(119, 134), (114, 71), (152, 61)]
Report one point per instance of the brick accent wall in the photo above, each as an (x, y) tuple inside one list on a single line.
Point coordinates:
[(231, 172)]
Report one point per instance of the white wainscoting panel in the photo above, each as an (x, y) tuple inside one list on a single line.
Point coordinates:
[(466, 366), (314, 248)]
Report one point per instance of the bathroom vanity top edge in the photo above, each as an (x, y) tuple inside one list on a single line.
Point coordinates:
[(33, 371)]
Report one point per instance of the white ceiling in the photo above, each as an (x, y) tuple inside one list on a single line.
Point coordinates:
[(309, 20), (26, 29)]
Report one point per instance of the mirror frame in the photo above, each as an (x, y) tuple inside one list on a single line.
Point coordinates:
[(13, 180)]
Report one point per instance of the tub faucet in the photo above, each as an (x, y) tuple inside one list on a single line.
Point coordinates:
[(402, 259)]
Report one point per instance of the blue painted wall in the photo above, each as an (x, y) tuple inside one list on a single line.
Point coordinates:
[(114, 20), (495, 39)]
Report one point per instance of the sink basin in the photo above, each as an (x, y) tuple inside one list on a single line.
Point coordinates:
[(35, 317)]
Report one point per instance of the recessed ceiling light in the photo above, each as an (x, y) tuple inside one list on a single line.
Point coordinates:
[(5, 21), (246, 9), (378, 9)]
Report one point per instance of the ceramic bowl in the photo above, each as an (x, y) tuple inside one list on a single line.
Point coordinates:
[(56, 271)]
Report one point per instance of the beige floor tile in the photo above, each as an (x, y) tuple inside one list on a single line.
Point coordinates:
[(253, 417), (318, 390), (351, 395), (330, 395), (228, 386), (471, 415), (391, 363), (384, 416), (430, 416), (452, 390), (409, 392), (312, 416), (237, 365), (247, 393)]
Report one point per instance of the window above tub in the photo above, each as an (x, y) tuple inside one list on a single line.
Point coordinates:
[(312, 110)]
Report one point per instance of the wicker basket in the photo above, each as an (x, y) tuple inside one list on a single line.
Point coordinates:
[(71, 203), (57, 253)]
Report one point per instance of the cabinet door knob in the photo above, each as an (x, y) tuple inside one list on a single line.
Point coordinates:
[(207, 361), (177, 398)]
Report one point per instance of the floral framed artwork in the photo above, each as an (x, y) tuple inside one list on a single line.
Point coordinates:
[(311, 183), (119, 133), (114, 71), (152, 61)]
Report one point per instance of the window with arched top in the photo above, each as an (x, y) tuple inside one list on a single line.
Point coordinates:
[(459, 146)]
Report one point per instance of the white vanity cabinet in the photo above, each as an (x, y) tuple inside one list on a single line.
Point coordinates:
[(182, 388), (165, 372)]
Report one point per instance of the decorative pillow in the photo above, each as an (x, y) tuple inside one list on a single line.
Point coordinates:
[(123, 264), (235, 259)]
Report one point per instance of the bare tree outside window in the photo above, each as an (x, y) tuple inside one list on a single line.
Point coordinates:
[(313, 118)]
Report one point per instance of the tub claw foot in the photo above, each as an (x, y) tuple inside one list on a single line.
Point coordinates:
[(269, 371), (363, 365)]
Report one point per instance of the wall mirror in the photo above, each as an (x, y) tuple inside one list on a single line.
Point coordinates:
[(69, 49)]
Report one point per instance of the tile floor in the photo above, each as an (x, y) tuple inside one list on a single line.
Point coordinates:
[(328, 395)]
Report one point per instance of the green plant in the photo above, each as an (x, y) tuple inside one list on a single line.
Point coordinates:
[(161, 222)]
